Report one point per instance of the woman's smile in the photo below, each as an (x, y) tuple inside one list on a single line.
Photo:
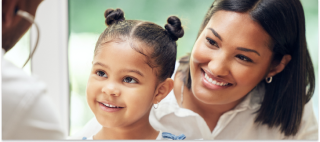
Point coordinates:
[(212, 82), (225, 65)]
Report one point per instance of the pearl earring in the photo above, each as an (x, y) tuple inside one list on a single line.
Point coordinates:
[(155, 106), (269, 79)]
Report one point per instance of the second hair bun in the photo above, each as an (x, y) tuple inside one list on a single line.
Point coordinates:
[(113, 16), (174, 27)]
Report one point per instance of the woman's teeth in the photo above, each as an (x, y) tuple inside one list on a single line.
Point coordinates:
[(214, 81)]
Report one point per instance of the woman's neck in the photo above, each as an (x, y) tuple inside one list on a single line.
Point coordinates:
[(138, 130), (210, 113)]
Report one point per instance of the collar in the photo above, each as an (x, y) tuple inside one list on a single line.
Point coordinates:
[(251, 101)]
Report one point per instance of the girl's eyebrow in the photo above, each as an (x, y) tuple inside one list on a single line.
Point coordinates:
[(132, 70), (215, 33), (100, 64), (124, 70)]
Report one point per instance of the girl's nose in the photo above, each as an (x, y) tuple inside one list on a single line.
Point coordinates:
[(111, 89), (219, 66)]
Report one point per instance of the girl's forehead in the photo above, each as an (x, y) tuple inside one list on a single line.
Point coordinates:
[(119, 55)]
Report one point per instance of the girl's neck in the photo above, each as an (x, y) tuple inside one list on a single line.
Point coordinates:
[(135, 131)]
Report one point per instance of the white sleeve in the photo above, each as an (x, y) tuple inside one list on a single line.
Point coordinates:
[(91, 128), (309, 126), (40, 122)]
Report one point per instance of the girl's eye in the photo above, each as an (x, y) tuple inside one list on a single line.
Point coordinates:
[(212, 42), (129, 80), (244, 58), (101, 74)]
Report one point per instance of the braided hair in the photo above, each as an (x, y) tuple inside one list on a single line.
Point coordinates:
[(162, 41)]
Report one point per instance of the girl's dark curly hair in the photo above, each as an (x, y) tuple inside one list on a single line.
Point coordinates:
[(162, 41)]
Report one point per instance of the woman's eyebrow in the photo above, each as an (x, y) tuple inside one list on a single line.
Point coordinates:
[(248, 50), (239, 48), (215, 33)]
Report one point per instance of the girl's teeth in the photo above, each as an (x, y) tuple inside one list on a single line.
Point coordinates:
[(214, 81), (107, 105)]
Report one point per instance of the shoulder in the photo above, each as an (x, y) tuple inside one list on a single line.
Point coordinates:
[(15, 82), (243, 126), (91, 128), (169, 117), (19, 90), (309, 124), (25, 96)]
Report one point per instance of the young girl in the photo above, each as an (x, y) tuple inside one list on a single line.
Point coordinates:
[(131, 70)]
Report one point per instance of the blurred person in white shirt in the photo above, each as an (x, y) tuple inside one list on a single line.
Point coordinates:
[(27, 112)]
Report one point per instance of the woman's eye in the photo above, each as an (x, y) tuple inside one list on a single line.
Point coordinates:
[(212, 42), (244, 58), (129, 80), (101, 73)]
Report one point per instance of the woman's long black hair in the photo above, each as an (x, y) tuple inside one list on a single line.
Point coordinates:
[(292, 88)]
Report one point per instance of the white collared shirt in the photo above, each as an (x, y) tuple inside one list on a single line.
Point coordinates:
[(27, 112), (237, 123)]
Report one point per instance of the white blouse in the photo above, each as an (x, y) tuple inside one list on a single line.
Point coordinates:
[(237, 123)]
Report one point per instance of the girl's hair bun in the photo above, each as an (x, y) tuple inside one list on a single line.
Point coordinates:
[(174, 27), (113, 16)]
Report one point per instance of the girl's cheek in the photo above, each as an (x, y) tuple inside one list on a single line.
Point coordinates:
[(93, 87)]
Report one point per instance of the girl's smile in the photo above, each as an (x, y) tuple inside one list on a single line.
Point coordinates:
[(110, 107)]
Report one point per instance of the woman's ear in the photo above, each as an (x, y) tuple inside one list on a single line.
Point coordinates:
[(278, 68), (163, 90)]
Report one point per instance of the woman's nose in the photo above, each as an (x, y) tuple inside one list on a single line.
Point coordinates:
[(111, 89), (219, 66)]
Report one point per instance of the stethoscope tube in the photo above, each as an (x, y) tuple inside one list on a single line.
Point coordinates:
[(29, 18)]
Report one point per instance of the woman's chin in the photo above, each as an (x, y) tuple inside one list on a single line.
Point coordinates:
[(206, 97)]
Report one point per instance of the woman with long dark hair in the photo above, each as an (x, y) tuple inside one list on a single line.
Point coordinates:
[(249, 76)]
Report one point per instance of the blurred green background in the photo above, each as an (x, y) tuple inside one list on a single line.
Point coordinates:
[(86, 22), (87, 16)]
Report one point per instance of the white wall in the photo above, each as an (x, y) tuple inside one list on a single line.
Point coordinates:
[(50, 61)]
